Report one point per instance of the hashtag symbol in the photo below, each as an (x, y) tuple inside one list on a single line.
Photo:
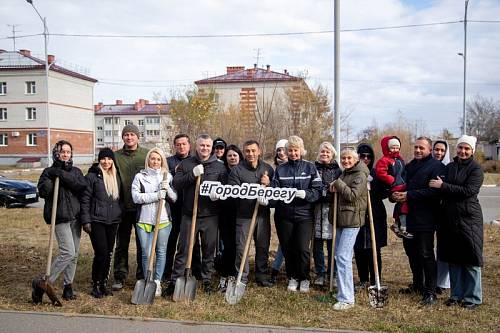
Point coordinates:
[(204, 188)]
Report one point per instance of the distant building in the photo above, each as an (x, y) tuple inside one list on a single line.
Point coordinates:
[(251, 90), (24, 122), (153, 121)]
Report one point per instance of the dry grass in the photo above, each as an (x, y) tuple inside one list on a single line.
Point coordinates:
[(23, 244)]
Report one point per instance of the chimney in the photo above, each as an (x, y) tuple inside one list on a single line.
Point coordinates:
[(142, 102), (255, 66), (146, 101), (51, 58), (119, 102), (234, 69), (26, 53), (268, 68), (98, 107), (285, 71), (137, 106)]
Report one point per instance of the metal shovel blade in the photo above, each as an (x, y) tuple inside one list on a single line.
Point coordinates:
[(378, 296), (51, 293), (234, 291), (144, 292), (185, 289)]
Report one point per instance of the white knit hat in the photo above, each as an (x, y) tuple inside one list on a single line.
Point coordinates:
[(281, 144), (393, 142), (468, 139)]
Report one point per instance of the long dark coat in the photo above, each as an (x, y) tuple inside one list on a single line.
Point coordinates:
[(460, 234)]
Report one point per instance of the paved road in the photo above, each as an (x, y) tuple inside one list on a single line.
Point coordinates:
[(45, 322)]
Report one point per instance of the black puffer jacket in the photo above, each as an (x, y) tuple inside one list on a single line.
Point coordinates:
[(71, 184), (185, 182), (302, 175), (97, 205), (460, 235), (245, 173), (423, 201)]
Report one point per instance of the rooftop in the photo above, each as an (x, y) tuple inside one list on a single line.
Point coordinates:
[(23, 60), (141, 107), (255, 74)]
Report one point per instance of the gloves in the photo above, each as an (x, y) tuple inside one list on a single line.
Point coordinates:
[(214, 196), (369, 178), (54, 172), (301, 194), (164, 185), (198, 170), (87, 228), (162, 194), (262, 201)]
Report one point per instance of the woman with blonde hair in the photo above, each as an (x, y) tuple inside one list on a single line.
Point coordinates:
[(101, 214), (148, 188)]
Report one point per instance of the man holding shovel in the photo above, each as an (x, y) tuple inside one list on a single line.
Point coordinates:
[(204, 165), (253, 171)]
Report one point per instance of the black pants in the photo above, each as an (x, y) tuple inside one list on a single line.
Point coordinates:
[(102, 237), (227, 233), (420, 252), (120, 266), (294, 237), (364, 264), (206, 228), (262, 239)]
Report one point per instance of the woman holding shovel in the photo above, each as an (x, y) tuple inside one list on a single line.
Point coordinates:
[(101, 213), (148, 188), (352, 191), (67, 227)]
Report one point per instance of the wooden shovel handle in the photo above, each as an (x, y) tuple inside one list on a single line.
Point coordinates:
[(193, 223), (334, 235), (251, 228), (53, 216)]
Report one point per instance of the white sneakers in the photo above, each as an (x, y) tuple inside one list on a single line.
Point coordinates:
[(293, 285), (341, 306), (158, 288)]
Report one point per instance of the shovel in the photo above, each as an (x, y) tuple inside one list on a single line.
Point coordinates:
[(377, 294), (144, 290), (43, 282), (236, 288), (185, 286)]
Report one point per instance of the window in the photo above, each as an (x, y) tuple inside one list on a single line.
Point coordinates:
[(107, 121), (141, 122), (152, 132), (3, 88), (99, 140), (30, 113), (115, 133), (128, 122), (117, 121), (30, 87), (152, 120), (107, 133), (31, 139), (4, 139), (99, 128), (3, 114)]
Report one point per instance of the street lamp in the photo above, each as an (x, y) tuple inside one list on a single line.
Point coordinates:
[(464, 55), (47, 68)]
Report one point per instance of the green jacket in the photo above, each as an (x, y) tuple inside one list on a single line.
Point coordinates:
[(129, 162), (352, 193)]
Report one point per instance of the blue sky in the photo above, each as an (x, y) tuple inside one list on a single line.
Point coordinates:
[(415, 72)]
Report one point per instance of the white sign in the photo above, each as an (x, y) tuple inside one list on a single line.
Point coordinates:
[(247, 191)]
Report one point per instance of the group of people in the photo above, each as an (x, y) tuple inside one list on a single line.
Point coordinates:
[(123, 189)]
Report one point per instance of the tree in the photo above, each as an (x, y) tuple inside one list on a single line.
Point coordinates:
[(483, 118)]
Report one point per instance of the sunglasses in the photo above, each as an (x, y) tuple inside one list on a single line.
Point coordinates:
[(365, 155)]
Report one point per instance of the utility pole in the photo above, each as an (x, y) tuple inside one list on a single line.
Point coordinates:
[(464, 129), (14, 34), (336, 80), (257, 58)]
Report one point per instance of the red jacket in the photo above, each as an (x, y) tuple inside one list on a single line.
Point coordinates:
[(384, 168)]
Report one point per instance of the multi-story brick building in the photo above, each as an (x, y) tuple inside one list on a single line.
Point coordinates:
[(153, 121), (24, 120)]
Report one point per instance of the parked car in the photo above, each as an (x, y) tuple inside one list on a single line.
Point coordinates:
[(17, 193)]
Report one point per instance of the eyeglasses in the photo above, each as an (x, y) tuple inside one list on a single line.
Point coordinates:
[(365, 155)]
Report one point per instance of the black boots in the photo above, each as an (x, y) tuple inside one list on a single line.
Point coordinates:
[(36, 292), (103, 287), (95, 290), (68, 294)]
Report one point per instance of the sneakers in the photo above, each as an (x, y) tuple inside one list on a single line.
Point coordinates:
[(68, 294), (222, 285), (395, 229), (168, 291), (158, 288), (406, 234), (96, 292), (341, 306), (428, 299), (452, 302), (320, 281), (117, 285), (292, 285), (304, 286)]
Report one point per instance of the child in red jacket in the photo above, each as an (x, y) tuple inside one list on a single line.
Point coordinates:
[(389, 170)]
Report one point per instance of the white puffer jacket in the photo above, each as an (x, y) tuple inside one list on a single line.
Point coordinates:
[(147, 196)]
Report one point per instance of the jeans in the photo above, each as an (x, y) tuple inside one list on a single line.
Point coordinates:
[(466, 283), (102, 237), (344, 248), (120, 265), (262, 238), (146, 240), (278, 260), (68, 239), (319, 255), (420, 252)]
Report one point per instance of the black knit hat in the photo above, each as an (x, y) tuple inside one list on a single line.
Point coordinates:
[(106, 152), (131, 128)]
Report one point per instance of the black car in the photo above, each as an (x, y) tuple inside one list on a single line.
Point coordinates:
[(17, 193)]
